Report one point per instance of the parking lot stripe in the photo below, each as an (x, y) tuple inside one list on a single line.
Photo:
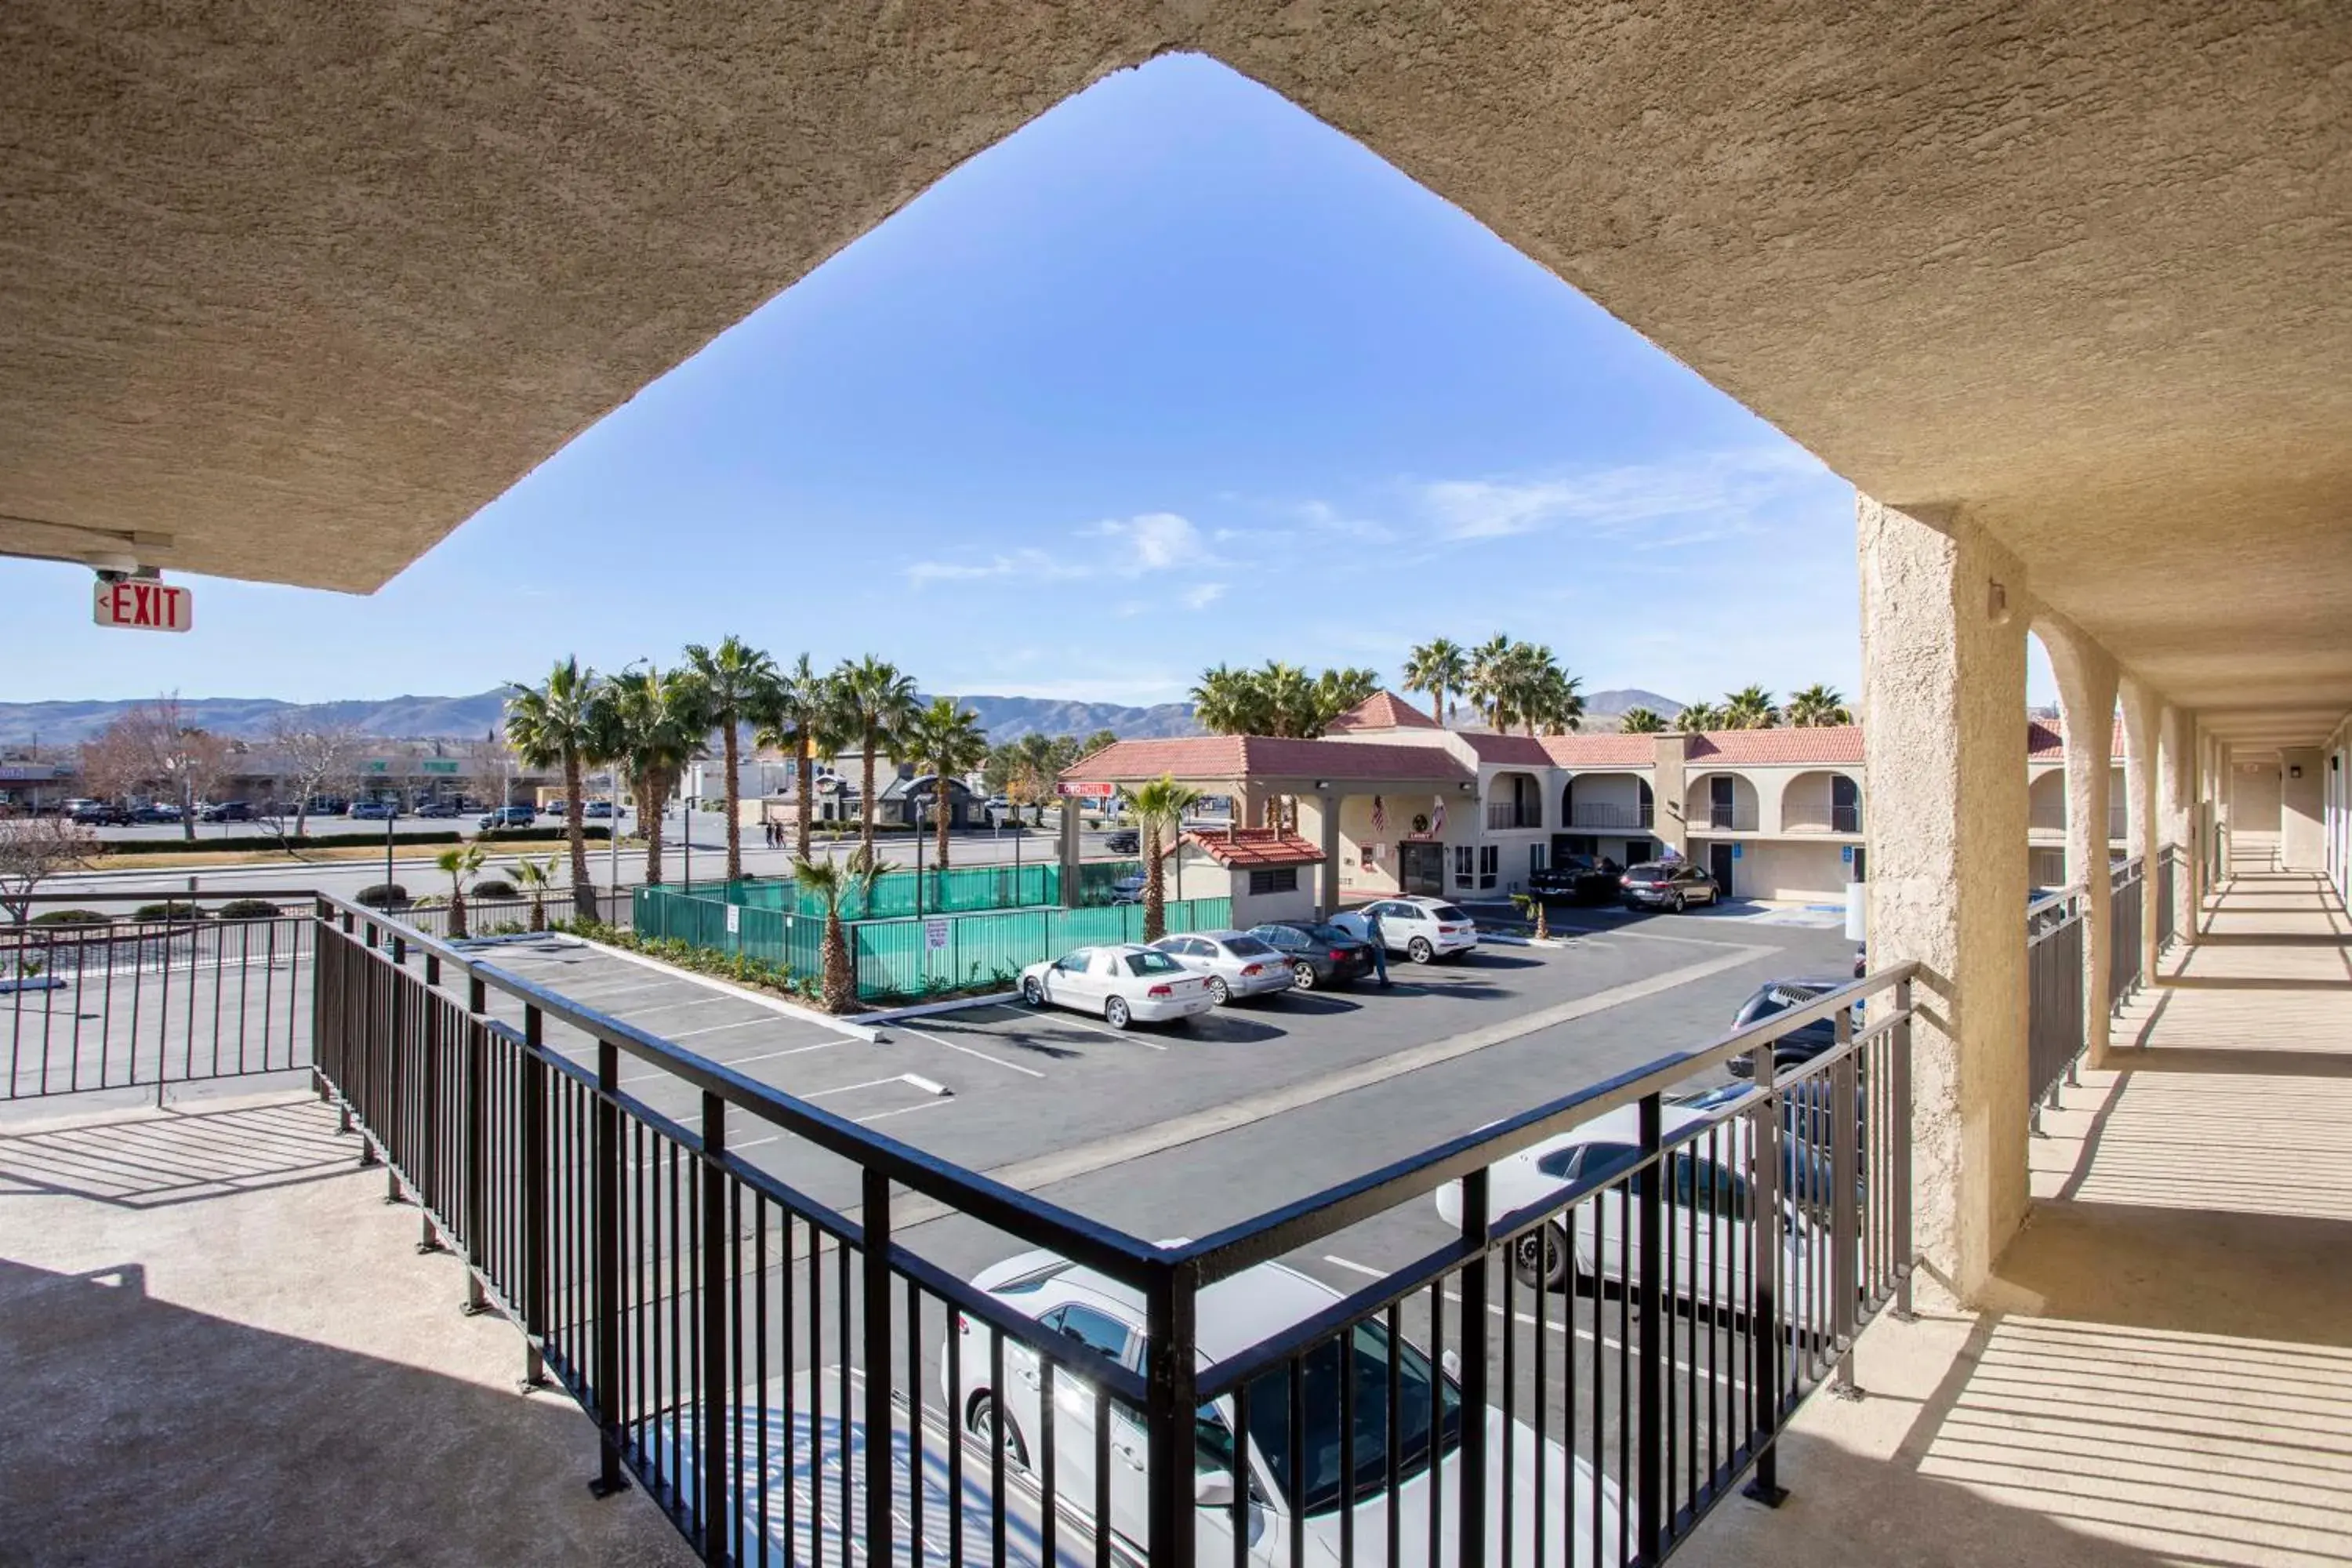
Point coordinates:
[(714, 1029), (674, 1007), (967, 1050), (1110, 1033), (847, 1088), (788, 1051), (881, 1115)]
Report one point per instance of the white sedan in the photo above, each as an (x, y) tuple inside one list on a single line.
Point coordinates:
[(1708, 1218), (1101, 1317), (1420, 929), (1125, 983)]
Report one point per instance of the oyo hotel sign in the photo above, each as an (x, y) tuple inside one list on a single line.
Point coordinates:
[(1096, 791), (143, 605)]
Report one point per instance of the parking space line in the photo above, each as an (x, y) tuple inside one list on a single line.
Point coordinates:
[(881, 1115), (846, 1088), (674, 1007), (714, 1029), (1110, 1033), (788, 1051), (967, 1050)]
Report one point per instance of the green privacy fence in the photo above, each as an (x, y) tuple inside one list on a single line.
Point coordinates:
[(910, 957), (958, 890)]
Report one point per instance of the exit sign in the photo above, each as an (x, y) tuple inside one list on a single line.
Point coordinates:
[(143, 606)]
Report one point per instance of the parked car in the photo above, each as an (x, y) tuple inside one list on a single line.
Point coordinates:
[(1236, 963), (97, 814), (1100, 1317), (1710, 1212), (374, 810), (1667, 884), (507, 816), (329, 805), (1124, 982), (1799, 1045), (1127, 890), (153, 813), (439, 810), (1126, 841), (1421, 929), (1318, 953), (1576, 879), (597, 811), (227, 811)]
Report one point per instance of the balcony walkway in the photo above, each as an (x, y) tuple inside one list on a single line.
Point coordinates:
[(220, 1346), (2165, 1372)]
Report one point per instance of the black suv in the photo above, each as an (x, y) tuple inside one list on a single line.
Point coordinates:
[(1799, 1045), (1318, 955), (1575, 879), (1126, 841)]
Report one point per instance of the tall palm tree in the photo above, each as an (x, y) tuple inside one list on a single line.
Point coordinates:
[(1489, 682), (1641, 722), (1556, 699), (1159, 808), (1749, 708), (875, 702), (1699, 716), (946, 742), (737, 683), (835, 882), (460, 862), (557, 723), (657, 720), (1818, 705), (799, 715), (1339, 689), (1230, 702), (1438, 667)]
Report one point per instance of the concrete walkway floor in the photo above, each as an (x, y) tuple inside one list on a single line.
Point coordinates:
[(2162, 1371), (219, 1345)]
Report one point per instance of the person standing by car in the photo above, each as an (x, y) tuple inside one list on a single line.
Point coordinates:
[(1373, 934)]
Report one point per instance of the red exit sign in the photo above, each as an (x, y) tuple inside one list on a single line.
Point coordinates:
[(146, 606)]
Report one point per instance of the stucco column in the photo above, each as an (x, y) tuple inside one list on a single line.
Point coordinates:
[(1668, 758), (2174, 793), (1327, 900), (2139, 710), (2086, 698), (1072, 821), (1943, 646)]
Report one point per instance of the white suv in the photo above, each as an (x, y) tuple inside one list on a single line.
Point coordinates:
[(1420, 929)]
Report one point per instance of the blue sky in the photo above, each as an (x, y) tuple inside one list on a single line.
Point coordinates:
[(1174, 375)]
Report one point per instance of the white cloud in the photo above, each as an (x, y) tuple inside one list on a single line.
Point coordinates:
[(1130, 547), (1707, 499), (1032, 564), (1200, 596)]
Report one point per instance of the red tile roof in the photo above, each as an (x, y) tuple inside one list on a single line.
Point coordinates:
[(1383, 710), (1610, 751), (1255, 846), (1507, 751), (1831, 743), (1238, 757), (2046, 740)]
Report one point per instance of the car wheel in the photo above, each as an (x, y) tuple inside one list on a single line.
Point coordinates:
[(1419, 950), (1540, 1259), (1675, 905), (1303, 974), (1219, 991), (1032, 993), (1115, 1013), (983, 1424)]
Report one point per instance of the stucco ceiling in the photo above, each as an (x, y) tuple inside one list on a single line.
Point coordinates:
[(291, 290)]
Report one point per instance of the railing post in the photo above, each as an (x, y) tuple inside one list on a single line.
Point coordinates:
[(1172, 1371), (1649, 1478), (396, 1014), (605, 1403), (1845, 1220), (428, 1148), (1470, 1484), (1900, 1132), (877, 1305), (713, 1466), (534, 1217), (478, 1144), (1764, 1329)]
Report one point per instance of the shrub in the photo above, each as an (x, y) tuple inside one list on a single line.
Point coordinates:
[(382, 895), (167, 911), (70, 918), (493, 887), (248, 909)]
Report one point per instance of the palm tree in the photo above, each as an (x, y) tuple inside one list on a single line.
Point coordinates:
[(1488, 685), (798, 715), (1338, 690), (557, 723), (1437, 667), (1230, 702), (656, 720), (834, 882), (1749, 708), (1159, 808), (537, 874), (1817, 706), (737, 683), (1557, 699), (875, 702), (946, 742), (1699, 716), (1641, 722), (460, 862)]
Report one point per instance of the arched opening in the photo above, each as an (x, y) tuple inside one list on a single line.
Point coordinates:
[(1607, 803), (1721, 802), (1514, 801)]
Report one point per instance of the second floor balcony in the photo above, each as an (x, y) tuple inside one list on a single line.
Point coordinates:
[(1611, 817)]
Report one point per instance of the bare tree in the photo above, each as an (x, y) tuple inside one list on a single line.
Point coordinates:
[(33, 848), (311, 758), (152, 749)]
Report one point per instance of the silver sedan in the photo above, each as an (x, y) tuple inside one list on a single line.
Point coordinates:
[(1235, 962)]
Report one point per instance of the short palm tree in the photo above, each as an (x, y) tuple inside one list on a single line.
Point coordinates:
[(875, 702), (1159, 808), (1749, 708), (1699, 716), (945, 741), (557, 725), (1440, 668), (834, 883), (460, 862), (656, 720), (738, 681), (1640, 721), (1817, 706), (536, 874)]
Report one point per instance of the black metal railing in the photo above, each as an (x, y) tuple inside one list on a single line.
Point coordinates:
[(2126, 911), (2054, 961), (116, 992), (1731, 818), (1508, 813), (1608, 815), (1846, 820), (2167, 918), (792, 1382)]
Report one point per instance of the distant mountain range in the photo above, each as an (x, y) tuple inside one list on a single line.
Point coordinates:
[(466, 718)]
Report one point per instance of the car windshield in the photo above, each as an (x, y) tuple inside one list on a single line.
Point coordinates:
[(1648, 871), (1308, 1472), (1328, 934), (1153, 963), (1446, 912), (1246, 947)]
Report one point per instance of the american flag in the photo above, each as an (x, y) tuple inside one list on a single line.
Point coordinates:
[(1437, 817), (1380, 815)]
